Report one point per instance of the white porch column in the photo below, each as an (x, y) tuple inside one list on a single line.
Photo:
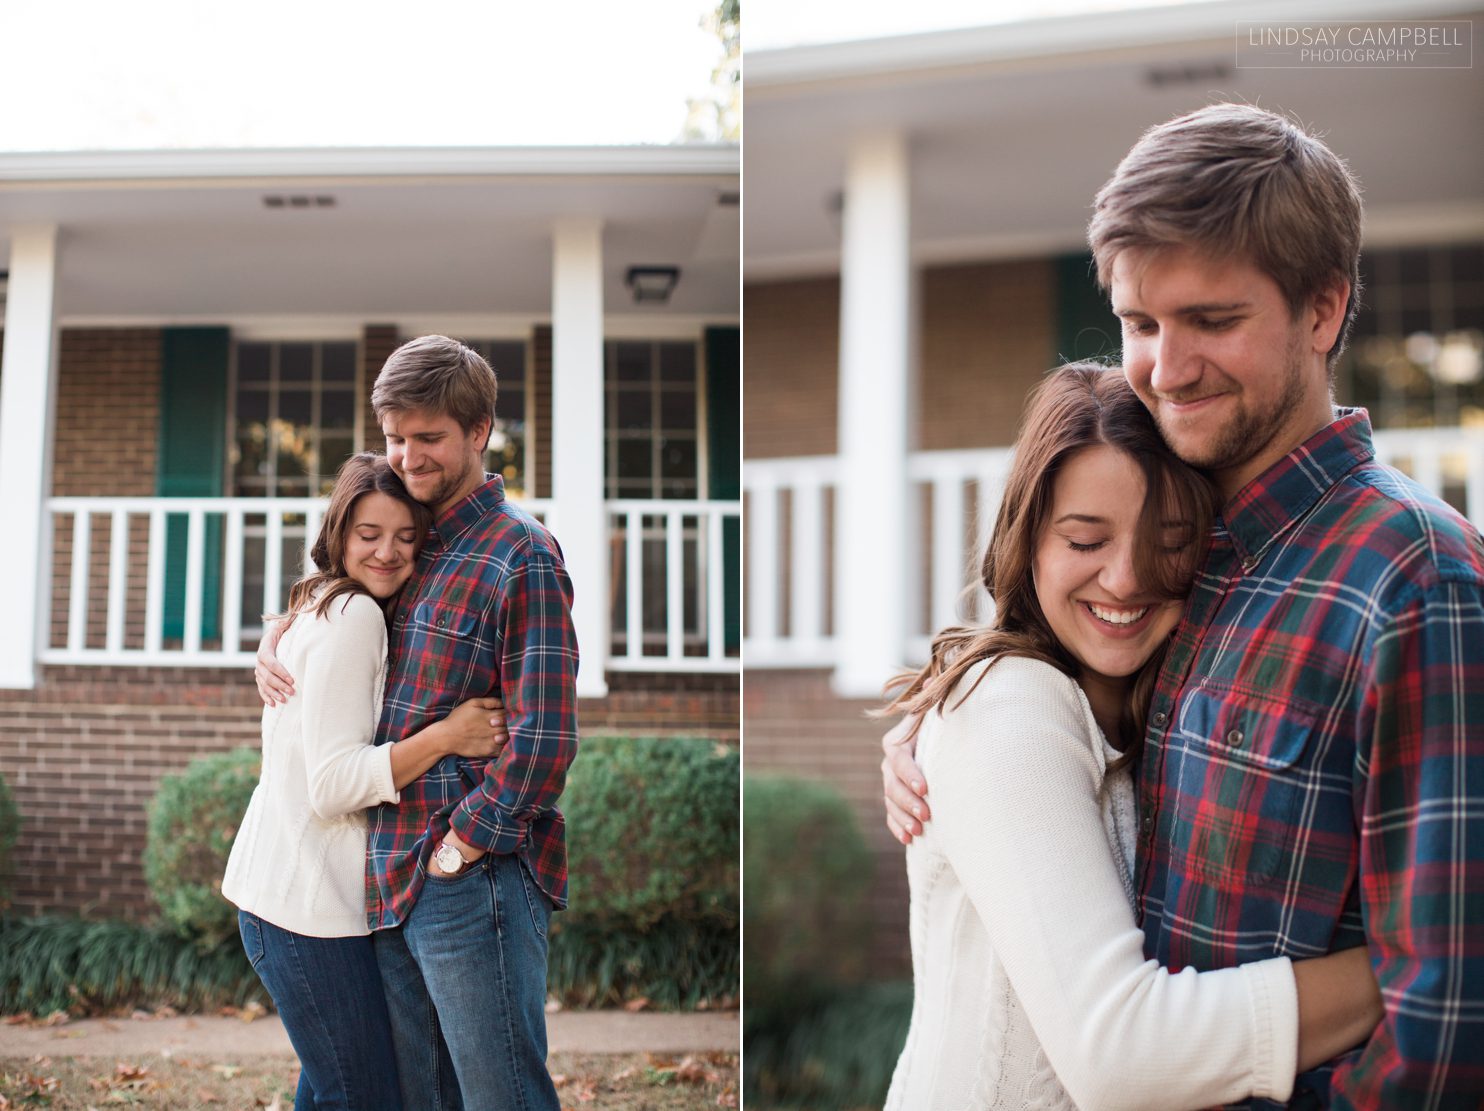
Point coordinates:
[(579, 521), (873, 525), (27, 400)]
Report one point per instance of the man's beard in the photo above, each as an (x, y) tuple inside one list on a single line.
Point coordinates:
[(1249, 431)]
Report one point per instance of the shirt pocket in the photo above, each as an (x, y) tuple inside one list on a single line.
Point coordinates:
[(1240, 787), (445, 621)]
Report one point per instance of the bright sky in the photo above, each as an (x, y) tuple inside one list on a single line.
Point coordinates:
[(777, 23), (89, 74)]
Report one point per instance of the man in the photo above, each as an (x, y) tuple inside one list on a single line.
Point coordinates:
[(463, 873), (1313, 777)]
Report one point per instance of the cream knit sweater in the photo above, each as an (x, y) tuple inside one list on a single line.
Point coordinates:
[(299, 860), (1032, 990)]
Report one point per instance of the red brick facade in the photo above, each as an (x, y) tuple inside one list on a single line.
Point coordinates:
[(84, 751)]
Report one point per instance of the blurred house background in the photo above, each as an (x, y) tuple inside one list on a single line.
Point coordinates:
[(914, 258), (190, 338)]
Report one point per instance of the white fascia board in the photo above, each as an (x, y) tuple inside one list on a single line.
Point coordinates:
[(350, 327), (687, 160), (1091, 32)]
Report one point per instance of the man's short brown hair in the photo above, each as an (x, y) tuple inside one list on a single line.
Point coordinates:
[(1232, 179), (436, 374)]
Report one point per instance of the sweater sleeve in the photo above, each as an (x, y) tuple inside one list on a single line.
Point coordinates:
[(1016, 808), (343, 653)]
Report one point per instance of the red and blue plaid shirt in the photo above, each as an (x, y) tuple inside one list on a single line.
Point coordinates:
[(1314, 776), (487, 613)]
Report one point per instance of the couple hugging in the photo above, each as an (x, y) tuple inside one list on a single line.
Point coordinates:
[(1207, 796), (402, 855)]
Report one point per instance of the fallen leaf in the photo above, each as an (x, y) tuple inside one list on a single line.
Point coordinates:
[(558, 1079), (227, 1071), (633, 1006), (252, 1011), (693, 1072), (660, 1061), (627, 1074), (554, 1006), (17, 1020), (586, 1095), (727, 1099), (123, 1072), (206, 1095), (57, 1018)]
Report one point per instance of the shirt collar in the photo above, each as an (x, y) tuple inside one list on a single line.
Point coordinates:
[(1270, 504), (464, 515)]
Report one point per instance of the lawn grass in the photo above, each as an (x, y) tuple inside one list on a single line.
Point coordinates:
[(620, 1082)]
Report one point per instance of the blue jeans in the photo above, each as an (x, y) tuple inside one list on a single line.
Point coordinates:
[(465, 980), (328, 993)]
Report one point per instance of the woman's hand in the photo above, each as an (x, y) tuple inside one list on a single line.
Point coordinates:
[(475, 728), (275, 685)]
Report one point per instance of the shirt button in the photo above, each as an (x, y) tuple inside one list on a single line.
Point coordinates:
[(442, 621), (1161, 718), (1147, 821), (1235, 738)]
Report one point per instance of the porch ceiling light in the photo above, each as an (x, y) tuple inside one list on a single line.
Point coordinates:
[(652, 283)]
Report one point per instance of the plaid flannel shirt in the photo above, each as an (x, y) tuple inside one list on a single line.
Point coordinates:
[(1314, 775), (487, 612)]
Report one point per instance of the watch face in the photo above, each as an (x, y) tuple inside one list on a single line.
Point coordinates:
[(448, 858)]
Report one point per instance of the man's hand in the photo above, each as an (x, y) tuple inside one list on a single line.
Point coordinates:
[(465, 850), (275, 685), (902, 782)]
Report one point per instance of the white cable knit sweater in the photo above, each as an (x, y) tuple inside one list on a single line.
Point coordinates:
[(299, 860), (1032, 990)]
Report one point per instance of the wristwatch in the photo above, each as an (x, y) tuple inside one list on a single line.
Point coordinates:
[(450, 861)]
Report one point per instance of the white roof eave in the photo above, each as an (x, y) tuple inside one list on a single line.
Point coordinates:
[(101, 167)]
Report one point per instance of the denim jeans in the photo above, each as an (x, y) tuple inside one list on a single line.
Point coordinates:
[(329, 995), (465, 979)]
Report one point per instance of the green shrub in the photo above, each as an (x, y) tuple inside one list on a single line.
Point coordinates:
[(652, 831), (652, 841), (49, 964), (192, 820), (10, 827), (806, 868), (839, 1055)]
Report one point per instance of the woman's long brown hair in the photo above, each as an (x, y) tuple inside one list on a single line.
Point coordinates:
[(362, 474), (1076, 406)]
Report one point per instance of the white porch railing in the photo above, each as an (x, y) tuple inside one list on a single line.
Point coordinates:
[(182, 581), (954, 497)]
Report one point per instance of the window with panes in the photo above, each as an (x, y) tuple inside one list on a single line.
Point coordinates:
[(507, 452), (652, 419), (1414, 359), (653, 436), (294, 413)]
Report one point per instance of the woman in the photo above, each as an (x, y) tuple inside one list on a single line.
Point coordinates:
[(297, 867), (1031, 985)]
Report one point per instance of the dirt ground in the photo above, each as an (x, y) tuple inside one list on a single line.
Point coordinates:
[(647, 1061)]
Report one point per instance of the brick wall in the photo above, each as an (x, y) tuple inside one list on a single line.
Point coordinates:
[(988, 331), (988, 334), (378, 341), (791, 354), (794, 725)]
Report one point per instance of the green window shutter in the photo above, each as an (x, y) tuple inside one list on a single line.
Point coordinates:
[(724, 436), (1085, 325), (192, 461)]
